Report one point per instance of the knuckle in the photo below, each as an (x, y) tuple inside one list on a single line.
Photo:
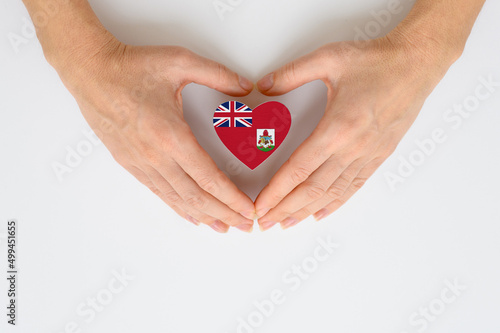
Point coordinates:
[(276, 197), (315, 191), (145, 147), (222, 72), (347, 176), (325, 53), (196, 201), (213, 183), (353, 125), (330, 147), (158, 137), (358, 183), (365, 141), (151, 156), (172, 197), (344, 50), (340, 201), (229, 219), (154, 189), (299, 175), (389, 150), (232, 202), (181, 55), (306, 211), (208, 184), (120, 159), (324, 145), (282, 213), (335, 191), (289, 72)]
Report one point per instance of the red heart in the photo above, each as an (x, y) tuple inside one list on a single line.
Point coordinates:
[(238, 127)]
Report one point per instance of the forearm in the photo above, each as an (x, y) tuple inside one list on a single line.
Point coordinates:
[(440, 27), (67, 29)]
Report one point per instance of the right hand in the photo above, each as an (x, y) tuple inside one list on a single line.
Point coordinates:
[(131, 97)]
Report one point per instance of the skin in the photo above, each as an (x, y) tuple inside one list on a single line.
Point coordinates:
[(375, 91), (131, 97)]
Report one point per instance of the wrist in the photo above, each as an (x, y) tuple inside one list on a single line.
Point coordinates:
[(63, 48), (437, 31), (427, 46), (77, 54), (72, 36)]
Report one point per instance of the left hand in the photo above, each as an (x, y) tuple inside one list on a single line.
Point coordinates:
[(375, 92)]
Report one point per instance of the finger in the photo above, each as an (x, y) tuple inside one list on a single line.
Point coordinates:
[(216, 76), (198, 199), (166, 192), (314, 188), (195, 161), (142, 177), (171, 197), (337, 203), (350, 178), (219, 226), (295, 74), (304, 161), (355, 186), (145, 180), (331, 136)]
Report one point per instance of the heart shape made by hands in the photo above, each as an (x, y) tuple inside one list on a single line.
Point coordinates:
[(252, 135)]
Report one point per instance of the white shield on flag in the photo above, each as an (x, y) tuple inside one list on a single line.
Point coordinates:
[(265, 139)]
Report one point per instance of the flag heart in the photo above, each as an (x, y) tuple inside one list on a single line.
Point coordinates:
[(252, 135)]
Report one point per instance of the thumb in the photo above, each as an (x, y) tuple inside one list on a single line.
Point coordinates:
[(295, 74), (217, 76)]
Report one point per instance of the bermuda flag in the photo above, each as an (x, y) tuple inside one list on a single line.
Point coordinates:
[(252, 135), (233, 114)]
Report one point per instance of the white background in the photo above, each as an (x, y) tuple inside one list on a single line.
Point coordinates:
[(395, 249)]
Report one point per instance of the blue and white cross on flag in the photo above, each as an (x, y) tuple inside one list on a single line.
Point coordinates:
[(233, 114)]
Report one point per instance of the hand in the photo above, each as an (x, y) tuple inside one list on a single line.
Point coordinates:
[(375, 91), (131, 97)]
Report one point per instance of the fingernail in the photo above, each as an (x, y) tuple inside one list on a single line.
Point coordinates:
[(321, 214), (267, 225), (246, 83), (266, 83), (263, 211), (245, 227), (192, 220), (219, 226), (289, 222), (250, 214)]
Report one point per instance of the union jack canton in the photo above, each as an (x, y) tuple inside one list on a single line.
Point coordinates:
[(228, 111)]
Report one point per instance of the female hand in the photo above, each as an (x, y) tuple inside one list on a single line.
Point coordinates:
[(375, 91), (131, 97)]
